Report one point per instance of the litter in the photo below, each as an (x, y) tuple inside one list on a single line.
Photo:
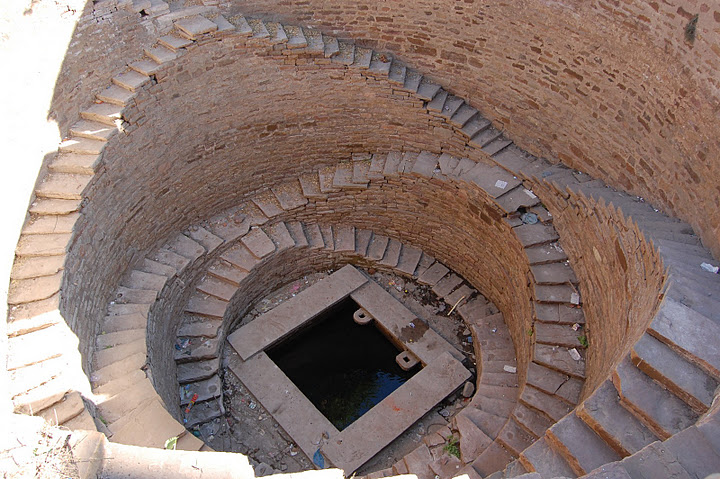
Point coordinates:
[(252, 405), (529, 218), (575, 298), (509, 369), (501, 184), (576, 326), (318, 459), (574, 354), (710, 268)]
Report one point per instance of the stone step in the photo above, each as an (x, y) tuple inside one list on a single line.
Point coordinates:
[(695, 296), (150, 426), (124, 322), (494, 458), (136, 279), (417, 462), (554, 313), (427, 89), (561, 359), (345, 54), (451, 106), (114, 408), (107, 113), (412, 81), (362, 58), (362, 241), (397, 73), (131, 80), (517, 198), (297, 231), (613, 423), (268, 204), (668, 368), (111, 355), (558, 334), (380, 64), (377, 247), (436, 104), (663, 412), (361, 172), (109, 340), (550, 406), (556, 293), (258, 243), (328, 237), (488, 423), (217, 288), (199, 327), (332, 46), (541, 458), (315, 44), (198, 349), (92, 130), (433, 274), (653, 461), (473, 441), (203, 411), (241, 258), (223, 24), (446, 285), (280, 236), (277, 33), (496, 145), (485, 137), (206, 306), (290, 195), (581, 448), (63, 186), (225, 271), (531, 420), (392, 254), (41, 396), (259, 29), (535, 235), (195, 26), (242, 26), (547, 253), (514, 438), (174, 42), (146, 66), (34, 289), (677, 326), (37, 346), (554, 383), (695, 452), (343, 178), (314, 236), (475, 126), (495, 406), (463, 115), (205, 389), (344, 238), (197, 371), (74, 163), (554, 273)]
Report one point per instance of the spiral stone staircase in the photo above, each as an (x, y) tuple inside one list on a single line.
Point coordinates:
[(236, 152)]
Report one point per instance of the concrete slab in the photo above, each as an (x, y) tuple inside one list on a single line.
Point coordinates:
[(364, 438), (402, 325), (291, 315)]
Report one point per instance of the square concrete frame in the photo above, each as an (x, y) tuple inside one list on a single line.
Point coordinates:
[(310, 429)]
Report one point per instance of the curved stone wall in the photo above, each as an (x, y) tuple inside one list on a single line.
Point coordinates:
[(610, 88)]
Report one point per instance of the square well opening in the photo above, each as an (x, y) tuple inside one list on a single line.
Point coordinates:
[(342, 367)]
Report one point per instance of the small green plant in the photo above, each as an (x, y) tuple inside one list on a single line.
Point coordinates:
[(530, 332), (453, 446), (583, 340), (691, 29)]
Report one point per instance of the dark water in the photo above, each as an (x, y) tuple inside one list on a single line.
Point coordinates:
[(343, 368)]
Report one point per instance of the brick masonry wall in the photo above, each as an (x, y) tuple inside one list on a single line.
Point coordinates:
[(611, 88), (622, 277)]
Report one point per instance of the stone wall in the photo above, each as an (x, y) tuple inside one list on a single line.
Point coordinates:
[(611, 88), (622, 276)]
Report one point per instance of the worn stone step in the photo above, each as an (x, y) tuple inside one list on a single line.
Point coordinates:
[(380, 64), (289, 195), (362, 58), (678, 327), (433, 274), (258, 243), (67, 408), (556, 293), (92, 130), (409, 259), (123, 322), (560, 359), (203, 411), (473, 440), (489, 423), (655, 460), (417, 462), (550, 406), (205, 389), (541, 458), (546, 253), (427, 89), (171, 259), (695, 296), (198, 349), (514, 438), (75, 163), (131, 80), (451, 106), (498, 407), (107, 113), (63, 186), (109, 340), (464, 114), (37, 346), (280, 236), (223, 24), (242, 26), (277, 33), (149, 426), (195, 26), (197, 371), (397, 73), (107, 356), (41, 396), (315, 44), (519, 197), (554, 273), (34, 289), (531, 420), (685, 380), (534, 235), (297, 231), (613, 423), (198, 326), (555, 313), (663, 412), (581, 448), (695, 452), (494, 458), (225, 271), (475, 126), (206, 306), (332, 46), (174, 42), (217, 288), (485, 137), (147, 66), (554, 383), (116, 407), (345, 54), (558, 334), (328, 237)]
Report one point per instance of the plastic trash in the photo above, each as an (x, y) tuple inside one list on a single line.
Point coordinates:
[(318, 459), (710, 268), (529, 218)]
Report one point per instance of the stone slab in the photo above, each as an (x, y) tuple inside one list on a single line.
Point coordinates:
[(291, 315), (382, 424), (394, 318)]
